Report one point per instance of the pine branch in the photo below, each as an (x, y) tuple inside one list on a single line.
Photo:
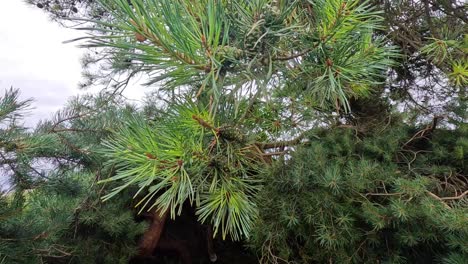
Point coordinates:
[(274, 153), (442, 199), (383, 194), (72, 146), (294, 56), (81, 130), (438, 198), (55, 125), (455, 197), (285, 143), (424, 133), (202, 122)]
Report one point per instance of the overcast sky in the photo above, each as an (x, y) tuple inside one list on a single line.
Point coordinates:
[(34, 59)]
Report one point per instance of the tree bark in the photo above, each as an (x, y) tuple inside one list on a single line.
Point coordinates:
[(152, 236)]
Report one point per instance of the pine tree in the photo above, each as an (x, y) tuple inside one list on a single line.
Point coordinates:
[(53, 212), (281, 123), (233, 59)]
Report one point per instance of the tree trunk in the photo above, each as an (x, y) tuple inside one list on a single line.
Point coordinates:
[(152, 236)]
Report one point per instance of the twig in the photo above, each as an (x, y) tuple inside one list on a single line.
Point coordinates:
[(454, 197), (284, 143), (67, 119), (203, 123), (438, 198), (274, 153), (383, 194), (293, 56), (75, 130), (422, 133), (71, 146)]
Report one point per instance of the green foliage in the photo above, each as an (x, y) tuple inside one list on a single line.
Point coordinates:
[(459, 74), (360, 199), (220, 52), (10, 106), (64, 220), (450, 55), (302, 85), (187, 157), (324, 46), (52, 212)]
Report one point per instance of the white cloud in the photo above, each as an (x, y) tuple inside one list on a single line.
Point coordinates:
[(34, 59)]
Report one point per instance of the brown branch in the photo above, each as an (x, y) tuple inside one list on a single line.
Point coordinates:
[(429, 18), (202, 122), (293, 56), (438, 198), (62, 138), (75, 130), (71, 145), (424, 132), (383, 194), (274, 153), (152, 235), (454, 197), (285, 143), (5, 161), (67, 119), (13, 168), (442, 199), (457, 12), (48, 252)]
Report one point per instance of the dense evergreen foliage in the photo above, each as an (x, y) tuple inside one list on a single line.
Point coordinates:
[(53, 213), (349, 197), (306, 131)]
